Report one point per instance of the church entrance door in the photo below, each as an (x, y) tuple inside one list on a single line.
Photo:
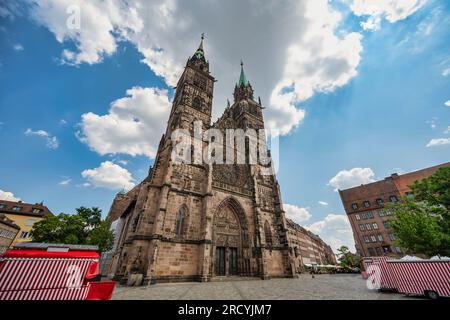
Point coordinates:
[(220, 261), (227, 243), (232, 260)]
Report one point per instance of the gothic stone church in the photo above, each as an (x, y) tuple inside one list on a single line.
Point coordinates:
[(198, 222)]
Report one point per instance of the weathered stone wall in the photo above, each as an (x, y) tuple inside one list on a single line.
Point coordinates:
[(176, 260), (275, 263)]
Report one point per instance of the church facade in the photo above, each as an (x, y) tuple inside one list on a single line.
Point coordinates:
[(196, 222)]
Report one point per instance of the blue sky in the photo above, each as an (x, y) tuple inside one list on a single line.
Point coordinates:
[(382, 110)]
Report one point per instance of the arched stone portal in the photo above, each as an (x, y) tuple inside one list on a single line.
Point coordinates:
[(231, 247)]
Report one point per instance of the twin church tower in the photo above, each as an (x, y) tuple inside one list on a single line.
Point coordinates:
[(196, 222)]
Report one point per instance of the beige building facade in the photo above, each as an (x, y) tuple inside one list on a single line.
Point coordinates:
[(25, 215), (8, 232)]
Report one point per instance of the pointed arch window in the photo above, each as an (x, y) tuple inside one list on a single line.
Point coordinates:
[(197, 103), (181, 220), (268, 234)]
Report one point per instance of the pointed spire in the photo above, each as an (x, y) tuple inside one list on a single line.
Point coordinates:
[(243, 82), (228, 103), (200, 53), (200, 47)]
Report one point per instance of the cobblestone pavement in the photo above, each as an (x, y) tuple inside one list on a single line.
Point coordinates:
[(343, 287)]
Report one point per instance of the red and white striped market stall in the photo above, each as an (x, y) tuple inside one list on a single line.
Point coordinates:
[(32, 271), (420, 277)]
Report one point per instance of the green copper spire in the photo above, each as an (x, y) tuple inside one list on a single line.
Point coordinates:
[(200, 53), (243, 82)]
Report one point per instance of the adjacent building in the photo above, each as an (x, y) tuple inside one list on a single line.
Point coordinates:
[(309, 249), (368, 217), (8, 232), (25, 215)]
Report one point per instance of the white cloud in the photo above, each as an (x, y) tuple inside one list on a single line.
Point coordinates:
[(323, 203), (296, 214), (445, 73), (350, 178), (8, 196), (134, 124), (109, 175), (447, 103), (62, 122), (65, 182), (391, 10), (51, 141), (307, 52), (335, 230), (18, 47), (438, 142), (102, 24)]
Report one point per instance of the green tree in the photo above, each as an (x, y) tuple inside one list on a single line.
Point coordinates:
[(84, 227), (346, 258), (422, 223)]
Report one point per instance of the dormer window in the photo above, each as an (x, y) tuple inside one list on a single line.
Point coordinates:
[(393, 199), (354, 206), (17, 208), (379, 201), (366, 204), (36, 210)]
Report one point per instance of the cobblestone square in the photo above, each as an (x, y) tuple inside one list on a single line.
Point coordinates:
[(334, 287)]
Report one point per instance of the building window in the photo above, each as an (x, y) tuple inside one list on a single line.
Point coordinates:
[(197, 103), (366, 239), (386, 249), (368, 227), (24, 235), (409, 195), (136, 223), (379, 201), (392, 237), (179, 228), (17, 208), (200, 82), (372, 252), (373, 238), (375, 226), (370, 215), (36, 210), (379, 251), (380, 238), (30, 222), (354, 206), (364, 216), (358, 217), (361, 227), (381, 213), (2, 206), (387, 224), (393, 199), (366, 204), (388, 212)]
